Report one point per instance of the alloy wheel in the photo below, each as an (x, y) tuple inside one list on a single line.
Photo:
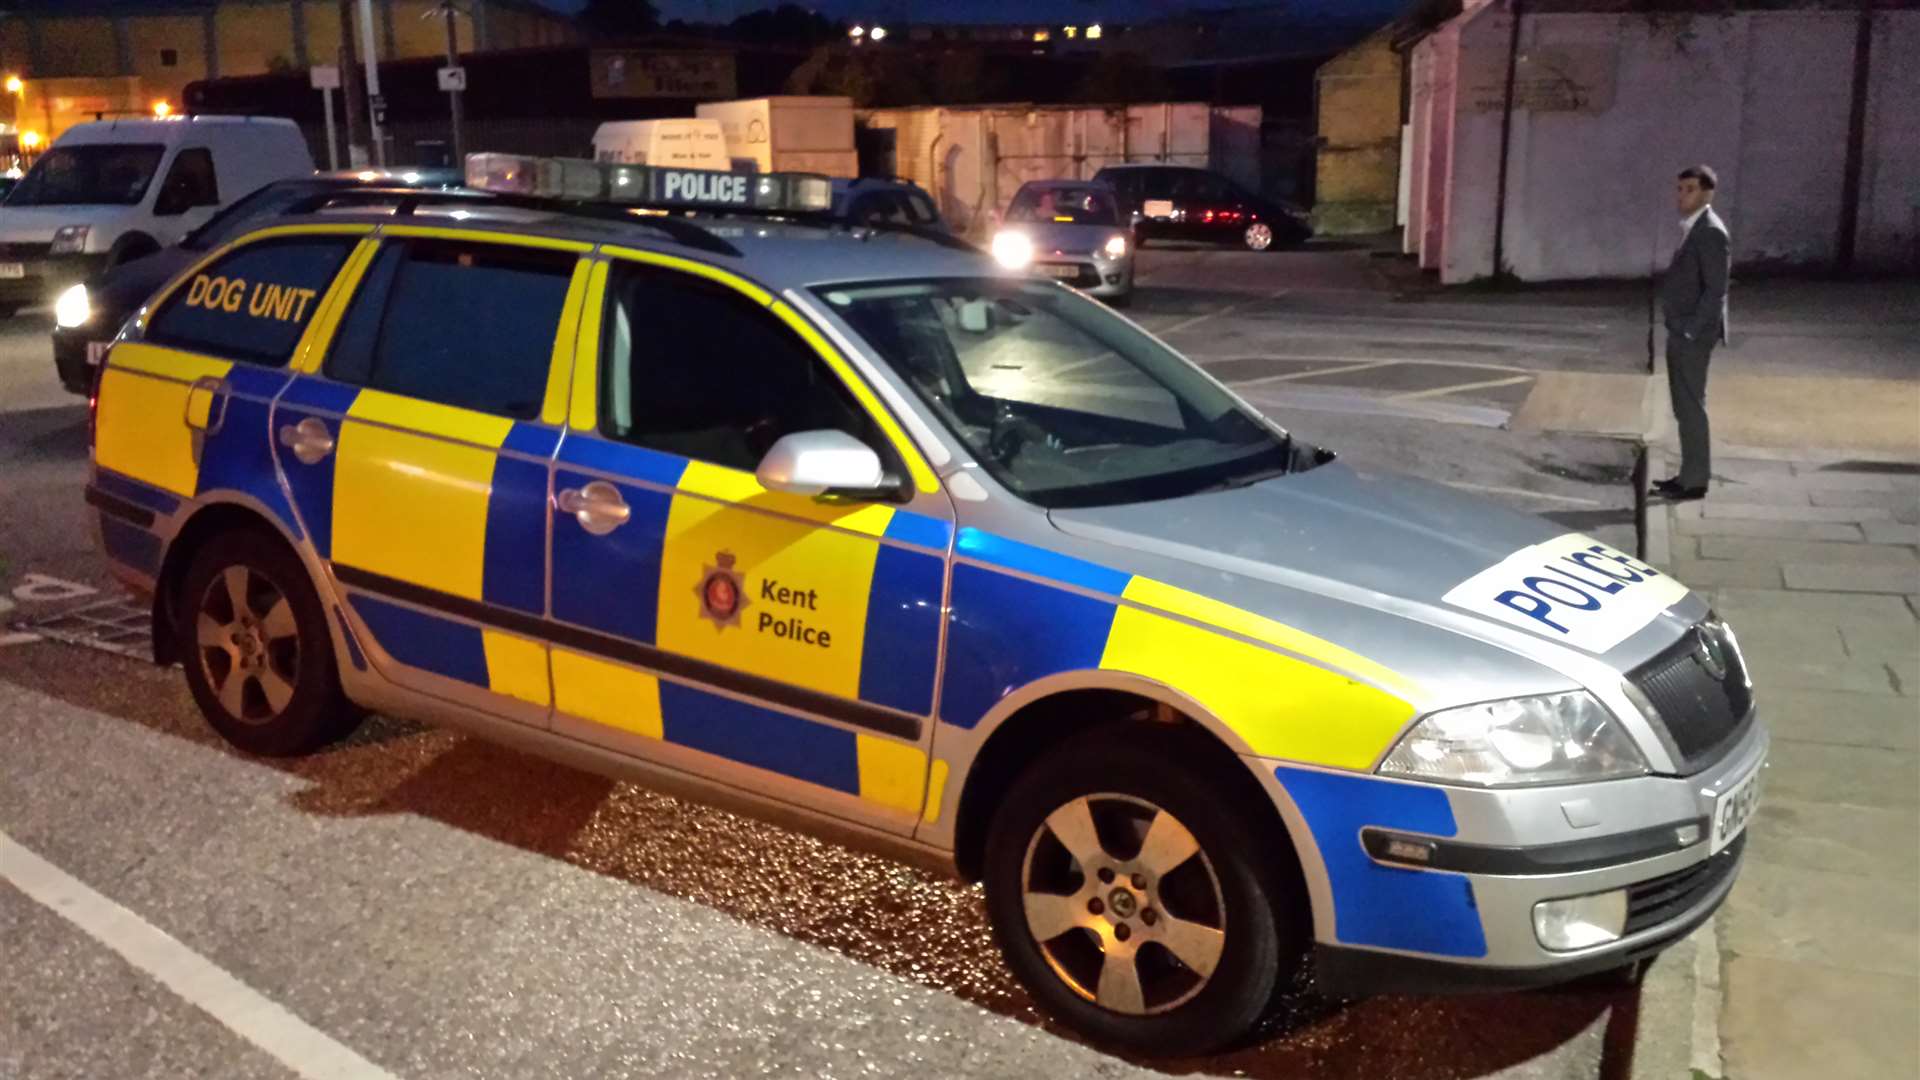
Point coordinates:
[(248, 643), (1259, 236), (1125, 906)]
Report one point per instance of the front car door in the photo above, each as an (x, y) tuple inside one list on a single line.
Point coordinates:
[(781, 644), (419, 455)]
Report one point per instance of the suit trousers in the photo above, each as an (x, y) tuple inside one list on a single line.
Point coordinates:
[(1687, 382)]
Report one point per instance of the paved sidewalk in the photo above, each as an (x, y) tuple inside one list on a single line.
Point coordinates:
[(1817, 567)]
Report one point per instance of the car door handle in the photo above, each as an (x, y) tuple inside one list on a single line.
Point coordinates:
[(598, 507), (309, 440)]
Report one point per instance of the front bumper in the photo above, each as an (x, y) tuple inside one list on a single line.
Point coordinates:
[(1466, 923), (70, 352), (1095, 277), (43, 276)]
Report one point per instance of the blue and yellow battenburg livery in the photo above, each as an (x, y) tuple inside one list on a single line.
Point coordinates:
[(868, 661)]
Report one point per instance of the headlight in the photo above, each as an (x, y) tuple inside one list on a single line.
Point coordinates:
[(69, 240), (1550, 739), (1116, 247), (73, 308), (1013, 250)]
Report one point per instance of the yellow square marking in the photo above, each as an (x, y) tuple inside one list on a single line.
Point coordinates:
[(891, 773), (516, 667), (801, 613), (141, 428), (1279, 706), (607, 693), (1154, 594)]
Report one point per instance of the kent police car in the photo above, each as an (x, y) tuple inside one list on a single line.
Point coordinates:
[(855, 525)]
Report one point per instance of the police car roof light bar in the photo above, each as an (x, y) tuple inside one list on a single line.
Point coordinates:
[(406, 200), (650, 186)]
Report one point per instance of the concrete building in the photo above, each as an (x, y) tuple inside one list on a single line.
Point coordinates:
[(1358, 104), (1807, 115), (79, 58)]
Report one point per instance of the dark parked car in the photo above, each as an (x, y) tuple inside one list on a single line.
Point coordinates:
[(1178, 202), (87, 316), (881, 202)]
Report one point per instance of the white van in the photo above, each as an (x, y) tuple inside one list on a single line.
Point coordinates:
[(681, 142), (113, 190)]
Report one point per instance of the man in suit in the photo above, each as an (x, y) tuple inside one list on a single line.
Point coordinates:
[(1693, 299)]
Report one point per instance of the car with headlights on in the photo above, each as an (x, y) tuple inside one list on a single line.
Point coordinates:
[(1071, 231), (861, 530), (88, 314)]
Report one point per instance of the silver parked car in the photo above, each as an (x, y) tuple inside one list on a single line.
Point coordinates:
[(1071, 231)]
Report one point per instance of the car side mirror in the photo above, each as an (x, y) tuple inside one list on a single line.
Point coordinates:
[(1135, 217), (824, 462)]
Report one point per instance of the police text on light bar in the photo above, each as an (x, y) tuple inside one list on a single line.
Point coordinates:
[(648, 185)]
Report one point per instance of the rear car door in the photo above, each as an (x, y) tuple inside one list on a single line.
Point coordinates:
[(418, 454), (183, 405), (776, 643)]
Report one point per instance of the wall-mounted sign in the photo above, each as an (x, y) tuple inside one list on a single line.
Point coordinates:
[(645, 73)]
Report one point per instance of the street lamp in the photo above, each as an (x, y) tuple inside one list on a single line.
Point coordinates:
[(29, 140), (878, 33), (162, 110), (1093, 32), (14, 85)]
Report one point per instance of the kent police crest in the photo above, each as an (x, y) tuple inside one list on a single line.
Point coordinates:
[(722, 591)]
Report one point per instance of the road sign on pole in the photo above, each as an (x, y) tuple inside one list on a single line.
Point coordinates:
[(326, 79), (453, 79)]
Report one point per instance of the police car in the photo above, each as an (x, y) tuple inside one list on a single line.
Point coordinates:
[(852, 524)]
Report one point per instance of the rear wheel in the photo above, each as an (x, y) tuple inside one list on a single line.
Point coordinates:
[(1258, 237), (1134, 901), (256, 648)]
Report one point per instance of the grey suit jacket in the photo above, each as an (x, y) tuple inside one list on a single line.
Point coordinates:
[(1693, 294)]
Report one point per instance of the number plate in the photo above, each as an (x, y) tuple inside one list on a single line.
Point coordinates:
[(1734, 808), (97, 352), (1064, 271), (13, 270), (1157, 208)]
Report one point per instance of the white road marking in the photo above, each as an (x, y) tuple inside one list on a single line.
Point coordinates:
[(1442, 391), (291, 1041), (1236, 306), (21, 638), (1312, 372), (43, 588)]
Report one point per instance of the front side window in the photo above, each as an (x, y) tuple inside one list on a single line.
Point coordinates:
[(1063, 205), (105, 174), (692, 369), (189, 183), (254, 304), (1064, 402), (463, 324)]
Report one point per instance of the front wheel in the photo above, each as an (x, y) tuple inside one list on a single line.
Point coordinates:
[(1258, 237), (1135, 901), (257, 651)]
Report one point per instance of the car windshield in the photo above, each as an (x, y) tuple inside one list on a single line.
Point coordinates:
[(1065, 205), (114, 174), (1065, 403), (235, 219)]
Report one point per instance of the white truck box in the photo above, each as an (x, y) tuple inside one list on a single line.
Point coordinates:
[(788, 134)]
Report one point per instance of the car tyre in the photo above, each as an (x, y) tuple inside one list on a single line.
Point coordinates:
[(1231, 913), (1258, 236), (257, 650)]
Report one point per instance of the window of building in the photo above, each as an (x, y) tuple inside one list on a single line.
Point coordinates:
[(169, 57), (691, 369), (252, 305), (463, 324)]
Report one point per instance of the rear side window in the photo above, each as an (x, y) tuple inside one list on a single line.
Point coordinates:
[(464, 324), (254, 304)]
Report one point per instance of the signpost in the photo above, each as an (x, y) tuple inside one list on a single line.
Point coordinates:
[(453, 79), (376, 105), (326, 79)]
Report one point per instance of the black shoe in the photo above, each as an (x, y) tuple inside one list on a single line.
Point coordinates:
[(1673, 489)]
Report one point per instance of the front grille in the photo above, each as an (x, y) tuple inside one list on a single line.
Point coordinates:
[(25, 250), (1701, 713), (1670, 896)]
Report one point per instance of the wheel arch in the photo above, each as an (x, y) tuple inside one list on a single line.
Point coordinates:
[(1047, 712), (218, 513)]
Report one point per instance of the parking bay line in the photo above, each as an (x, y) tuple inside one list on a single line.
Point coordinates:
[(240, 1008), (1442, 391), (1204, 316)]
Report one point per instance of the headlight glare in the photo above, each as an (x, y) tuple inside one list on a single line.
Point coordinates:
[(73, 308), (69, 239), (1116, 247), (1549, 739), (1013, 250)]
